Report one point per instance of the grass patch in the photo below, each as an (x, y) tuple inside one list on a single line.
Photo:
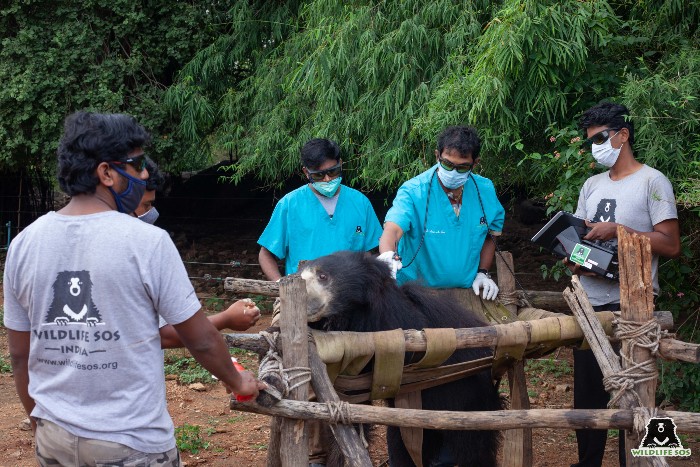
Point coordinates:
[(189, 438), (556, 368), (179, 362), (5, 366)]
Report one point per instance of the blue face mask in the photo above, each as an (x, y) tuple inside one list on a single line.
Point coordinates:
[(451, 178), (150, 216), (327, 189), (129, 199)]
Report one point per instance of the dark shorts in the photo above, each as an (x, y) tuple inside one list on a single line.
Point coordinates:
[(56, 446)]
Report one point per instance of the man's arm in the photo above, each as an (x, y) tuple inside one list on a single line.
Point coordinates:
[(665, 238), (205, 344), (487, 252), (18, 342), (239, 316), (268, 264), (389, 240)]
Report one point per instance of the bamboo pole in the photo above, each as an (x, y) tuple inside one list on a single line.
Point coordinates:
[(686, 422), (487, 336), (295, 353), (517, 444)]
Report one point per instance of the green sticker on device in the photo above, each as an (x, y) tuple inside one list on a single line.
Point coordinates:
[(580, 254)]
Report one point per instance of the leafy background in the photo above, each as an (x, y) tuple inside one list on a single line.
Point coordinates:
[(251, 81)]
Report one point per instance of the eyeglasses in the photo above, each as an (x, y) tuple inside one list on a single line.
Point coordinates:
[(138, 162), (601, 137), (460, 168), (319, 175)]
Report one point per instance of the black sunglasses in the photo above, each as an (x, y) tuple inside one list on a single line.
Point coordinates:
[(460, 168), (138, 162), (601, 137), (319, 175)]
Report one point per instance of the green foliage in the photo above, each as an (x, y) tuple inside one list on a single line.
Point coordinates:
[(679, 382), (189, 438), (186, 368), (58, 57), (5, 366)]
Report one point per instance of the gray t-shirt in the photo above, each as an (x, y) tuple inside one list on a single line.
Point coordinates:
[(639, 201), (89, 290)]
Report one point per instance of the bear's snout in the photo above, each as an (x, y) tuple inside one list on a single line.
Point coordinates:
[(74, 286)]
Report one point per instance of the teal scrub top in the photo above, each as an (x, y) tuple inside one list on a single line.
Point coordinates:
[(449, 256), (301, 229)]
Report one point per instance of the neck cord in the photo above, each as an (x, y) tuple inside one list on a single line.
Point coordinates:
[(483, 220)]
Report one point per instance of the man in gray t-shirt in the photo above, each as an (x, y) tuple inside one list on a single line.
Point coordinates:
[(83, 290), (639, 198)]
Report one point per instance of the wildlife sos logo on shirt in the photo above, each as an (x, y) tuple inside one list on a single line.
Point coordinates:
[(661, 440), (358, 230), (72, 305)]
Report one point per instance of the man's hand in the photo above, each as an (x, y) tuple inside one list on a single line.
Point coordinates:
[(392, 260), (602, 231), (247, 386), (576, 268), (241, 315), (483, 281)]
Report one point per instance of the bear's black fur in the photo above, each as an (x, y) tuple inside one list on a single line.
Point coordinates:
[(353, 291)]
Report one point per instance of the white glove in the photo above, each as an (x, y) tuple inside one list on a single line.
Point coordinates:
[(490, 287), (390, 258)]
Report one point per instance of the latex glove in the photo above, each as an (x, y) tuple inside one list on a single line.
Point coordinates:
[(392, 260), (489, 286)]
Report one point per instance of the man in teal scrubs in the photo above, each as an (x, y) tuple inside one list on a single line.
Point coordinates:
[(440, 219), (315, 220), (319, 218)]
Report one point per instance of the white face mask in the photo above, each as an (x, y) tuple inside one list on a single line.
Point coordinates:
[(605, 154), (451, 178)]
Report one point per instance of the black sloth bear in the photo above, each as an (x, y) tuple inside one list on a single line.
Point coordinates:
[(353, 291)]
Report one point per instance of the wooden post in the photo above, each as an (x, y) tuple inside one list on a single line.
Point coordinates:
[(294, 443), (608, 361), (348, 439), (517, 444), (636, 304)]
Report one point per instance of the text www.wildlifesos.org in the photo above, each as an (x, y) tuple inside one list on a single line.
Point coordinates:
[(80, 366)]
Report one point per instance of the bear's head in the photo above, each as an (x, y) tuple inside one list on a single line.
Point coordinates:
[(344, 283)]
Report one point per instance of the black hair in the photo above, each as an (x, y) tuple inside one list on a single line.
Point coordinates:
[(463, 139), (607, 114), (90, 139), (156, 179), (317, 151)]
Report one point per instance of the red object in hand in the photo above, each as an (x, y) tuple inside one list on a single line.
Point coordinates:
[(239, 367)]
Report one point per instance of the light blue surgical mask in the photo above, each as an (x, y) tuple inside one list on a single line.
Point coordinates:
[(327, 189), (129, 199), (451, 178), (150, 216)]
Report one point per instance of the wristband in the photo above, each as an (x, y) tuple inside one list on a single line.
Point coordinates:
[(484, 271)]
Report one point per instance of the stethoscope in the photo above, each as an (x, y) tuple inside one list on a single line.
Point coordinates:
[(483, 219)]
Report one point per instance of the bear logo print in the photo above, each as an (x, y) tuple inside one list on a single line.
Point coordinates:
[(605, 211), (72, 300), (661, 433)]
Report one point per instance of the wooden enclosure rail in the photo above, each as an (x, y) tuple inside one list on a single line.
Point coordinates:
[(479, 420)]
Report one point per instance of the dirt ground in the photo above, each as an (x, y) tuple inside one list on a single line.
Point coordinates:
[(241, 439)]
